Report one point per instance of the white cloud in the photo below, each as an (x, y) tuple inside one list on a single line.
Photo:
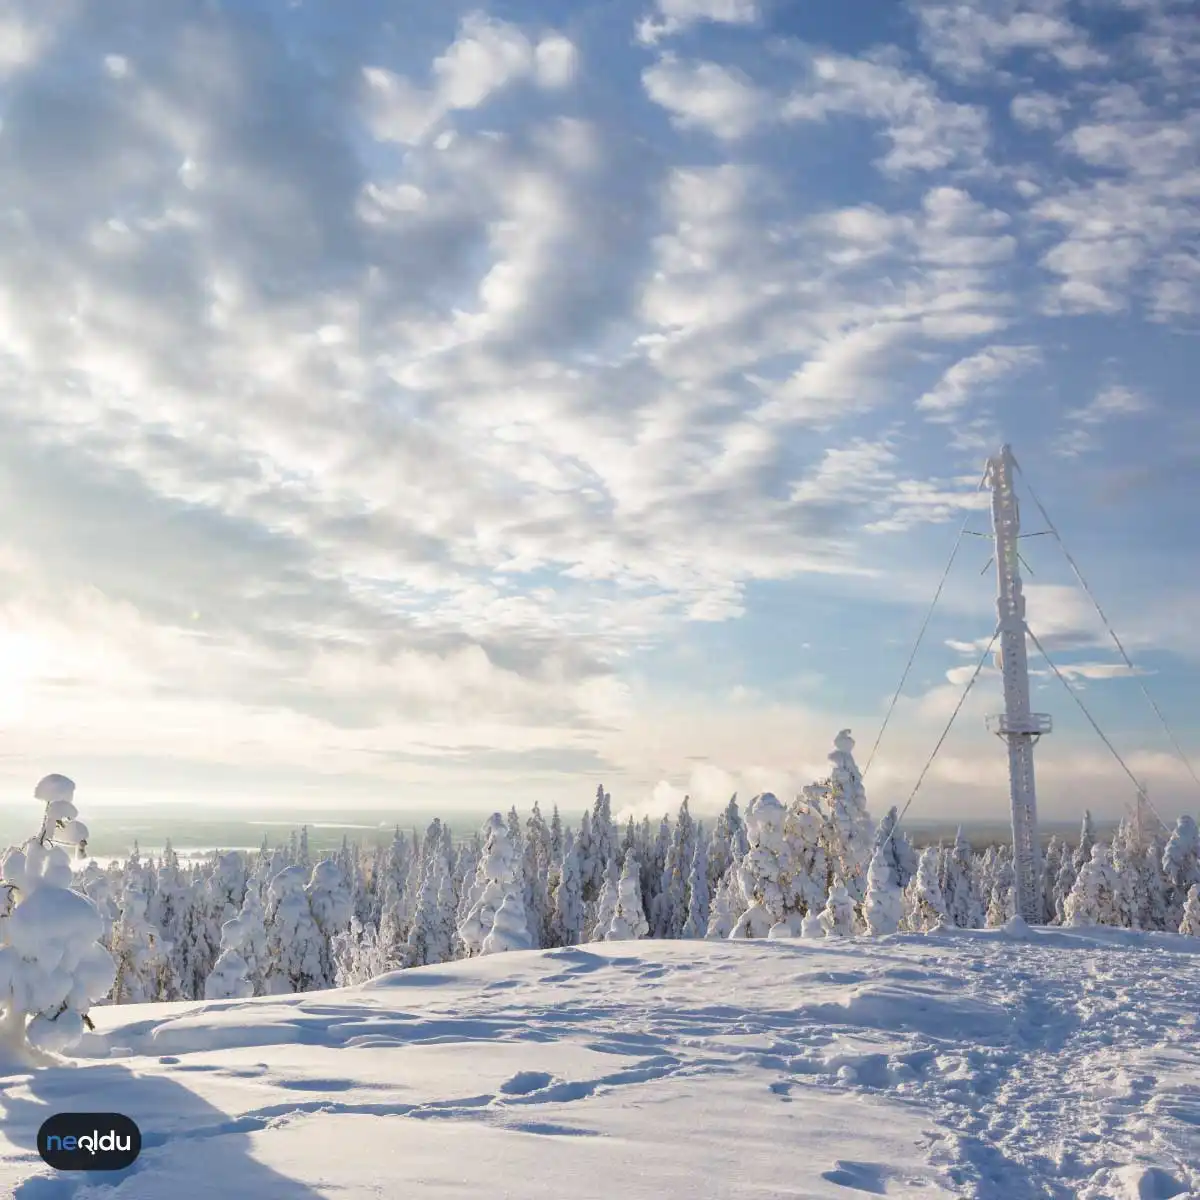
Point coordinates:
[(1129, 227), (973, 374), (486, 57), (556, 61), (1082, 424), (967, 41), (1038, 110), (706, 96), (925, 131), (674, 16)]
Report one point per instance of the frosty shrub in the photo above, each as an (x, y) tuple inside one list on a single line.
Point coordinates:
[(52, 965)]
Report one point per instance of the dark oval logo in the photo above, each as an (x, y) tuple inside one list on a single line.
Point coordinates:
[(89, 1142)]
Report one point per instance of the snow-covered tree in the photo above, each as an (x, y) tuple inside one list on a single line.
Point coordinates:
[(142, 969), (1051, 865), (925, 907), (837, 917), (357, 955), (536, 874), (606, 905), (1189, 923), (764, 869), (1181, 867), (566, 922), (849, 831), (604, 835), (332, 909), (431, 934), (962, 905), (902, 858), (509, 929), (591, 869), (1087, 840), (721, 919), (495, 875), (669, 910), (247, 934), (52, 965), (1063, 884), (294, 942), (1002, 904), (628, 921), (1092, 900), (229, 978), (883, 907), (696, 924)]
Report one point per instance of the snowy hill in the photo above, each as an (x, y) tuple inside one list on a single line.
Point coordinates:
[(962, 1063)]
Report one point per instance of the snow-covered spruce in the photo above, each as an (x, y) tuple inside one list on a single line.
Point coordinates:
[(606, 905), (925, 907), (1093, 898), (494, 878), (837, 917), (509, 929), (1189, 923), (294, 942), (721, 919), (763, 869), (566, 921), (884, 904), (52, 965), (848, 834), (628, 921)]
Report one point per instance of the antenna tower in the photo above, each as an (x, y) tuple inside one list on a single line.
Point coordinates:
[(1017, 725)]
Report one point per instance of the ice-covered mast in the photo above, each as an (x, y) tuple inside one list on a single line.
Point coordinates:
[(1017, 725)]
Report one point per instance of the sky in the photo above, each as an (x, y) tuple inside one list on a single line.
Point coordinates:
[(464, 404)]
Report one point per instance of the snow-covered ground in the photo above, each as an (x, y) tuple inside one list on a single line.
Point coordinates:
[(984, 1064)]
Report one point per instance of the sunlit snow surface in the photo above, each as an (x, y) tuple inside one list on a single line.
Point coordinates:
[(956, 1064)]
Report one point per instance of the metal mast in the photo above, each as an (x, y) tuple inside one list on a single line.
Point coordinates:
[(1017, 725)]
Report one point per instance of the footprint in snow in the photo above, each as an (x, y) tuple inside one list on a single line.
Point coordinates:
[(524, 1082)]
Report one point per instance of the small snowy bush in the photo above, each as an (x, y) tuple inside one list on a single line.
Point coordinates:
[(52, 965)]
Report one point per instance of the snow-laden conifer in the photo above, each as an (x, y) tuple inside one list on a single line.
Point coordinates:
[(294, 942), (629, 921), (332, 909), (883, 907), (902, 858), (837, 917), (1087, 841), (849, 830), (143, 971), (229, 978), (925, 907), (606, 904), (567, 921), (1051, 865), (1181, 867), (962, 907), (52, 965), (1189, 923), (1092, 900), (1002, 904), (509, 929), (496, 873), (763, 869), (721, 919), (696, 923)]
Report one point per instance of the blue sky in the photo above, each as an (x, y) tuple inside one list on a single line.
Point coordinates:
[(473, 406)]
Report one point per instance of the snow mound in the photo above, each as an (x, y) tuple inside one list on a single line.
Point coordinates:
[(1062, 1064)]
